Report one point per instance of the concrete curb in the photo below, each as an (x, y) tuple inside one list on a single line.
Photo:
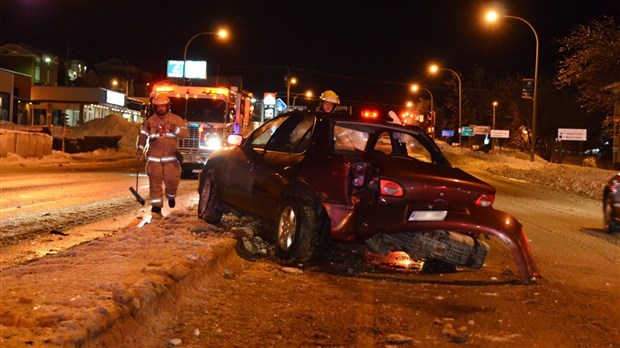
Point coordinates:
[(79, 295)]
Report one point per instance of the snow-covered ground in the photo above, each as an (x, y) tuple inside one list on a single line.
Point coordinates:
[(586, 181)]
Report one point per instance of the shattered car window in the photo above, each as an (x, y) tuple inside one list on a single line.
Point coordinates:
[(293, 135), (261, 136), (378, 140), (413, 147)]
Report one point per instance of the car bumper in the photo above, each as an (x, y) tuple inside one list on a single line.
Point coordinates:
[(354, 225)]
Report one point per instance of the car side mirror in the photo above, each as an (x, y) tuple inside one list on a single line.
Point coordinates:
[(234, 139)]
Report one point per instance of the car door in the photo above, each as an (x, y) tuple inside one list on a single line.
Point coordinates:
[(237, 173), (278, 165)]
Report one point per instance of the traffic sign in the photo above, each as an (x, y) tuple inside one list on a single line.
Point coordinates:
[(467, 131), (481, 130), (280, 105), (574, 134), (500, 133), (527, 90)]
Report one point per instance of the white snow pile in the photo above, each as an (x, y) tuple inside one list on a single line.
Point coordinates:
[(110, 125), (514, 164)]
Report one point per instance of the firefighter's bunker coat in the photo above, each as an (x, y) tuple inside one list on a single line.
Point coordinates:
[(159, 137)]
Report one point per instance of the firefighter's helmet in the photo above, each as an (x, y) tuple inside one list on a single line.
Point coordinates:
[(330, 96), (161, 99)]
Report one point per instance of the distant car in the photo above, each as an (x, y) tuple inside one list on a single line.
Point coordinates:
[(319, 178), (611, 204)]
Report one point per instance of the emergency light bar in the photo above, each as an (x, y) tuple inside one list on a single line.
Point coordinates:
[(370, 114)]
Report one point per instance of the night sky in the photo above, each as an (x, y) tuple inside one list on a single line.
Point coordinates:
[(363, 52)]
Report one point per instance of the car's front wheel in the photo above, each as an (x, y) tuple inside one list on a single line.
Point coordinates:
[(298, 230), (609, 220), (208, 204)]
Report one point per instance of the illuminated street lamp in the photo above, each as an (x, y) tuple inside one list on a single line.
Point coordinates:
[(434, 68), (308, 95), (414, 88), (289, 81), (491, 17), (221, 33)]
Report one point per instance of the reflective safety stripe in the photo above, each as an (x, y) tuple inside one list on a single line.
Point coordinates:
[(163, 159), (166, 135), (178, 129), (141, 147), (142, 131), (170, 196), (156, 200)]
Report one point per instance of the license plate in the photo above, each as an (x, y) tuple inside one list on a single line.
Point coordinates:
[(428, 215)]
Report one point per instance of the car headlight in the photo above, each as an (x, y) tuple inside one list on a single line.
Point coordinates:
[(212, 142)]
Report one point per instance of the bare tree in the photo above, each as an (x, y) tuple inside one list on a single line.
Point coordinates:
[(592, 61)]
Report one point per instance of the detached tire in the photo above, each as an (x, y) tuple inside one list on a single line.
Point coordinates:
[(299, 230), (208, 204)]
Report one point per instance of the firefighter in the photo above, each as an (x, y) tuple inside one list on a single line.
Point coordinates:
[(158, 142), (328, 101)]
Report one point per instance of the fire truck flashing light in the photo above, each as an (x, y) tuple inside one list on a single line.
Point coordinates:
[(370, 114)]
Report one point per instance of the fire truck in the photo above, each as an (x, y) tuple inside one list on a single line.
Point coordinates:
[(211, 113)]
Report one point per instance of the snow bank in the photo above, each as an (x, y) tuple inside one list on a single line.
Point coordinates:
[(110, 125)]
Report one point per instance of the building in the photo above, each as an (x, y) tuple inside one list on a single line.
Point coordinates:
[(40, 89), (15, 103)]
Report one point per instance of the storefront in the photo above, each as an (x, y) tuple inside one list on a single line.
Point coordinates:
[(73, 106)]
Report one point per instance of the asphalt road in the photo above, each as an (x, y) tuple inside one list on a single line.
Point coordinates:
[(47, 208)]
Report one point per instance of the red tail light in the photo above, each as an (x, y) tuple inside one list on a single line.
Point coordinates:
[(485, 200), (391, 188)]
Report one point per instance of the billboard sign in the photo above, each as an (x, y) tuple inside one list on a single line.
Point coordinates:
[(269, 99), (194, 69), (114, 98)]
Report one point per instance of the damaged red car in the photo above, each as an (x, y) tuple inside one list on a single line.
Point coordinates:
[(318, 178)]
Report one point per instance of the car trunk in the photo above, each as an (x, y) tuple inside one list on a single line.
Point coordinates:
[(428, 188)]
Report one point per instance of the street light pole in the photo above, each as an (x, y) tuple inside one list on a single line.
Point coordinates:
[(433, 69), (415, 88), (289, 81), (308, 95), (494, 106), (222, 33), (493, 124), (492, 16)]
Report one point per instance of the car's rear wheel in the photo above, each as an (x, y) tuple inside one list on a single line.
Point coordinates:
[(609, 219), (208, 204), (299, 229)]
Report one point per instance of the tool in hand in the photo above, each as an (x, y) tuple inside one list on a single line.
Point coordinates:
[(134, 191)]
